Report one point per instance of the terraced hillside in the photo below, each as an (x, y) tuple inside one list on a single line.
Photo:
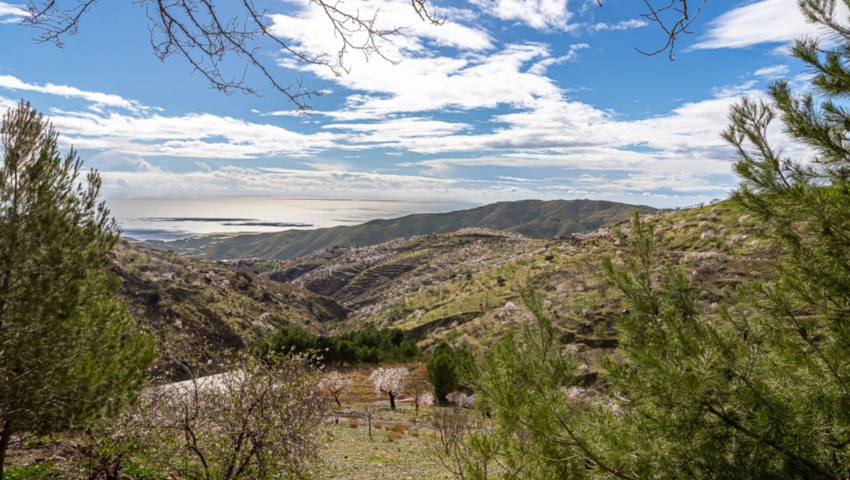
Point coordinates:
[(464, 287)]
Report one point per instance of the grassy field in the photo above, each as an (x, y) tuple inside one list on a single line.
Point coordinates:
[(401, 445), (397, 449)]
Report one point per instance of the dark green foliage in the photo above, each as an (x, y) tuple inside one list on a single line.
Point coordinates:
[(69, 350), (761, 389), (441, 372), (449, 369), (368, 345), (138, 472), (755, 393)]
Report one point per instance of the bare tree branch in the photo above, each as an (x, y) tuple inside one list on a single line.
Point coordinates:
[(208, 39), (673, 20), (200, 33)]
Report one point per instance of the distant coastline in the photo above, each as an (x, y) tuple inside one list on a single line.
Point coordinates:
[(175, 218)]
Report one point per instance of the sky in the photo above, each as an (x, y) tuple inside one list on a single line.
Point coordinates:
[(506, 100)]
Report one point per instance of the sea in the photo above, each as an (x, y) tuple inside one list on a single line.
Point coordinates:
[(173, 218)]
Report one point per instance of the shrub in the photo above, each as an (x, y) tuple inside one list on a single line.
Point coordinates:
[(251, 422)]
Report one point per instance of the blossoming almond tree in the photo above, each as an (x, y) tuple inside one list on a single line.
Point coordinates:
[(335, 383), (389, 381)]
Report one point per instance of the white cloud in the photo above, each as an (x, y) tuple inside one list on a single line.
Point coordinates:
[(309, 30), (395, 131), (277, 182), (763, 21), (329, 165), (118, 161), (677, 155), (437, 83), (772, 72), (540, 67), (11, 13), (623, 25), (192, 135), (474, 153), (537, 14), (7, 103), (439, 68), (97, 98)]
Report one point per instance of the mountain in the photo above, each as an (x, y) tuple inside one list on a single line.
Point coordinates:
[(465, 286), (541, 219)]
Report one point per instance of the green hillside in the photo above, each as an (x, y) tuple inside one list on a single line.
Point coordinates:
[(541, 219), (461, 286), (464, 286)]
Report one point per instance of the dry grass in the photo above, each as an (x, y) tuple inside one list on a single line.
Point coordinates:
[(393, 435)]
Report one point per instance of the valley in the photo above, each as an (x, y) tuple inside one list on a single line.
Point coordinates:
[(463, 287)]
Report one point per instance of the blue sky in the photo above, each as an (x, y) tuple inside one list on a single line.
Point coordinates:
[(509, 99)]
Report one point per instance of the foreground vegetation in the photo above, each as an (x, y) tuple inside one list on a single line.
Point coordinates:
[(69, 353), (453, 293), (759, 390)]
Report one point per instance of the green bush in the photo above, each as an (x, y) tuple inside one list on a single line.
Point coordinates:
[(449, 369)]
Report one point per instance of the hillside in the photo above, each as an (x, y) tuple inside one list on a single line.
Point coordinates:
[(541, 219), (464, 287), (198, 308)]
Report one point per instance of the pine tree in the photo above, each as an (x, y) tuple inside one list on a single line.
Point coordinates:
[(449, 369), (760, 391), (68, 350)]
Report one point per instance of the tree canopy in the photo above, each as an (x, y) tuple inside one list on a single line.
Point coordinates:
[(759, 390), (69, 350), (449, 369)]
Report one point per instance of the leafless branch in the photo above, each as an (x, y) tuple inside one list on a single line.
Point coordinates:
[(205, 37), (200, 33), (55, 21), (674, 19)]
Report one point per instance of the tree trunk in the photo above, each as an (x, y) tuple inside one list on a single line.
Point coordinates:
[(392, 403), (5, 437)]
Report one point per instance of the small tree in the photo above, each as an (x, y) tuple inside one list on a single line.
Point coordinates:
[(422, 398), (335, 383), (441, 371), (459, 445), (389, 381), (68, 350), (422, 394), (447, 369), (256, 421)]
